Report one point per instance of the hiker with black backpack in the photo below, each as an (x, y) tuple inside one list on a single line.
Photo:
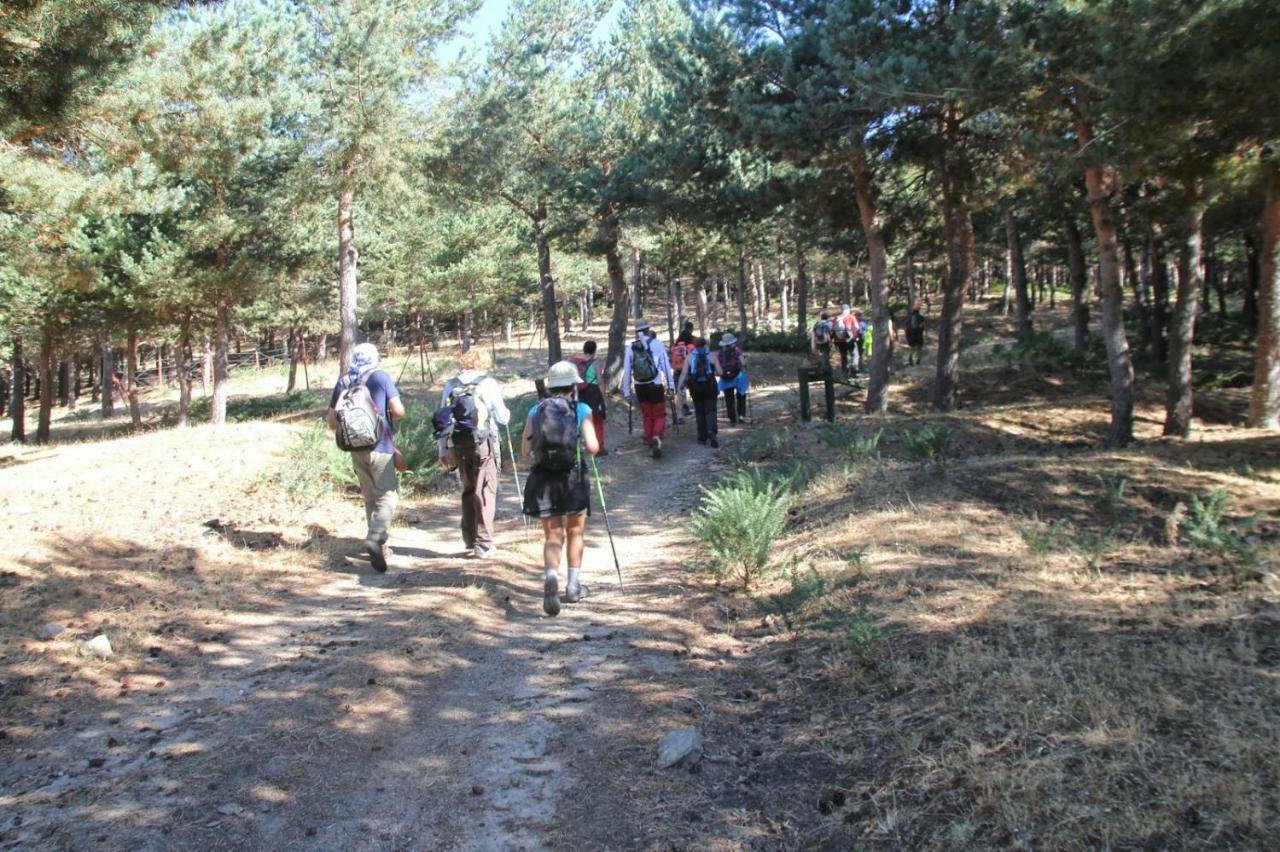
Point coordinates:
[(589, 389), (364, 405), (848, 332), (645, 365), (556, 434), (915, 335), (731, 367), (700, 376), (467, 426), (821, 338)]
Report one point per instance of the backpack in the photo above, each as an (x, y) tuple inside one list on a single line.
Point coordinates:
[(360, 425), (915, 323), (822, 333), (679, 354), (702, 372), (555, 435), (460, 418), (643, 370), (730, 362), (844, 334)]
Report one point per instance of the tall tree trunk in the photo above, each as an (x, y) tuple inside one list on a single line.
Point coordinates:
[(742, 295), (1140, 286), (877, 401), (548, 285), (182, 366), (701, 284), (1252, 283), (1018, 265), (1264, 406), (47, 387), (347, 279), (292, 343), (17, 395), (1079, 283), (64, 382), (637, 295), (802, 289), (221, 358), (1159, 316), (959, 235), (1177, 420), (108, 376), (1006, 299), (131, 378), (1101, 186), (608, 233), (71, 369)]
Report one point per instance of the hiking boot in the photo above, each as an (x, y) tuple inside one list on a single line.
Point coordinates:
[(715, 445), (657, 448), (485, 552), (702, 440), (551, 596), (603, 452), (377, 554), (573, 594)]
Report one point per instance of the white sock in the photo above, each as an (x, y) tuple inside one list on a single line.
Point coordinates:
[(551, 574), (573, 577)]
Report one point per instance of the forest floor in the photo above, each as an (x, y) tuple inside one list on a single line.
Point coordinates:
[(1000, 651)]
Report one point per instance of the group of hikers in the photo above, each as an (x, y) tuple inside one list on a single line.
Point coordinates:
[(850, 335), (563, 433)]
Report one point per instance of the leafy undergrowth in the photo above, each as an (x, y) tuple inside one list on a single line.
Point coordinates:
[(1006, 640)]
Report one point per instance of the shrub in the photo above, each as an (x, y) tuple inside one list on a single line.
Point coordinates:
[(1113, 488), (766, 341), (260, 407), (849, 440), (764, 443), (313, 466), (1208, 528), (739, 523), (415, 439), (859, 633), (804, 588), (929, 443), (1042, 539)]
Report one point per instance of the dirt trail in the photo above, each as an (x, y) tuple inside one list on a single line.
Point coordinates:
[(433, 707)]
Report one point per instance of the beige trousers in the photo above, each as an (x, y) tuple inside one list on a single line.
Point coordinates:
[(380, 488)]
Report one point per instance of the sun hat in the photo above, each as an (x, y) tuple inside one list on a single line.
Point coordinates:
[(562, 374), (728, 339)]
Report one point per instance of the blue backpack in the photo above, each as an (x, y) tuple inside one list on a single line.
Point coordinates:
[(702, 373)]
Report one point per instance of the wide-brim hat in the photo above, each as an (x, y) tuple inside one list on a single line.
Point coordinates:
[(727, 339), (562, 374), (642, 325)]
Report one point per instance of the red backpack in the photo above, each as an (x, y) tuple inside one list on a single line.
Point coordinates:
[(679, 354)]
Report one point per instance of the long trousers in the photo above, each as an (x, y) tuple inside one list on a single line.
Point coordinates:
[(653, 407), (704, 409), (479, 474), (380, 489), (735, 405), (597, 423)]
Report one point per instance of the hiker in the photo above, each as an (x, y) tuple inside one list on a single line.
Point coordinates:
[(679, 354), (915, 335), (821, 338), (700, 373), (557, 431), (848, 334), (730, 366), (646, 366), (589, 390), (364, 405), (468, 425)]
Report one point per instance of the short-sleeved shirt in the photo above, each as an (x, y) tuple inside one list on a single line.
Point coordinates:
[(583, 411), (383, 390)]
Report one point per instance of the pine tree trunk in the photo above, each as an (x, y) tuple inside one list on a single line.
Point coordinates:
[(1018, 266), (637, 295), (1252, 285), (182, 366), (1079, 283), (108, 376), (1008, 283), (221, 359), (877, 401), (702, 303), (958, 228), (1264, 406), (347, 279), (1159, 316), (292, 343), (802, 290), (548, 285), (1101, 187), (131, 379), (671, 319), (608, 231), (17, 395), (1190, 282), (47, 387), (72, 369), (742, 296)]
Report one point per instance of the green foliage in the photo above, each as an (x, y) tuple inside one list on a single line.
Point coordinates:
[(1046, 352), (739, 523), (859, 633), (261, 407), (769, 341), (417, 444), (767, 442), (805, 588), (1208, 528), (313, 467), (849, 439), (1113, 488), (1043, 539), (929, 443)]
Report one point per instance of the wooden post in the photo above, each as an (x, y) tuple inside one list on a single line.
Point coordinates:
[(804, 376)]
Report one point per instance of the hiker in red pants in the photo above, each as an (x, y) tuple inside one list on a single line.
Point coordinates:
[(646, 365)]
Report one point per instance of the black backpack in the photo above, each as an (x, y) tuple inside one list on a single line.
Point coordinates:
[(460, 418), (554, 435), (730, 362), (915, 323), (643, 370), (822, 333), (702, 372), (360, 424)]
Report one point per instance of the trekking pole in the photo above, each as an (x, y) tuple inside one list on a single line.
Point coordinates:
[(515, 471), (630, 430), (607, 526)]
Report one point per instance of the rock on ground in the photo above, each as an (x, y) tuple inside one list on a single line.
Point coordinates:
[(682, 746), (100, 646), (48, 631)]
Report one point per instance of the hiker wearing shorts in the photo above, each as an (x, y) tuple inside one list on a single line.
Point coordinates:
[(645, 365), (556, 434), (475, 452), (375, 468), (732, 369), (700, 375)]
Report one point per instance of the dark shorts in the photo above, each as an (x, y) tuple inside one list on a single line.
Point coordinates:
[(552, 495)]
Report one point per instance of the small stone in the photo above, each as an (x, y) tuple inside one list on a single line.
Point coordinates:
[(112, 742), (48, 631), (373, 681), (477, 790), (100, 647), (681, 747), (229, 809), (96, 762)]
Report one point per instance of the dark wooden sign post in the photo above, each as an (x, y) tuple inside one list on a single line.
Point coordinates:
[(817, 374)]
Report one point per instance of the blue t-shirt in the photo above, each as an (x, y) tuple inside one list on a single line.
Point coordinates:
[(584, 412), (383, 390)]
